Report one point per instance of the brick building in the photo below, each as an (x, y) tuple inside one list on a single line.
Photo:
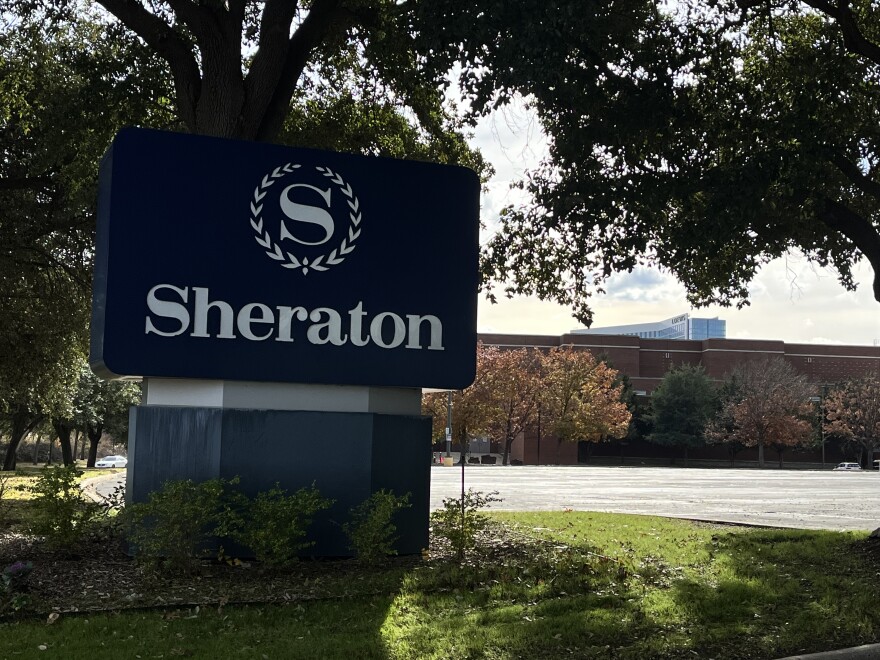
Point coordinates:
[(646, 361)]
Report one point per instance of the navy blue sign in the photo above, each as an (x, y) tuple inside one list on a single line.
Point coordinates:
[(235, 260)]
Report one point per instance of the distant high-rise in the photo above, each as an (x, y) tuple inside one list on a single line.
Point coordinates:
[(682, 326)]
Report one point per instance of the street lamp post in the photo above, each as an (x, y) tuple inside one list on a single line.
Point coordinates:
[(821, 401), (449, 424)]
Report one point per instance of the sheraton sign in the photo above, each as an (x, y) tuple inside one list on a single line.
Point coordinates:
[(234, 260)]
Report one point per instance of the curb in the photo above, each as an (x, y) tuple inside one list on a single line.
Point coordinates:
[(87, 486), (866, 652)]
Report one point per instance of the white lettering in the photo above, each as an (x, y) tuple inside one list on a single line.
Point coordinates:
[(332, 326), (246, 317), (200, 326), (399, 330), (168, 310), (285, 316), (414, 339), (357, 317), (258, 322), (306, 213)]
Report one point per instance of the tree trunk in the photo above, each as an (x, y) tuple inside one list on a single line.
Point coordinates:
[(505, 457), (462, 445), (22, 423), (761, 454), (37, 449), (94, 433), (51, 449), (780, 451), (64, 430), (82, 445)]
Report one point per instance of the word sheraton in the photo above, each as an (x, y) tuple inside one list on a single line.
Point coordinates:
[(258, 322)]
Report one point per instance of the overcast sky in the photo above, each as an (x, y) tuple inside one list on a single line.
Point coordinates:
[(792, 300)]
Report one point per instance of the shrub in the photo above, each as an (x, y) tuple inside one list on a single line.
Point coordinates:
[(459, 521), (175, 526), (273, 525), (12, 600), (59, 512), (370, 531), (4, 499)]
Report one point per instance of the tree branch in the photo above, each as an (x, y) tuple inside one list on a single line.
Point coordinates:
[(25, 183), (857, 229), (170, 46), (864, 183), (268, 62), (313, 30), (853, 38)]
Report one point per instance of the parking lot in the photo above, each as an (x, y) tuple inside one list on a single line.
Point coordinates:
[(809, 499)]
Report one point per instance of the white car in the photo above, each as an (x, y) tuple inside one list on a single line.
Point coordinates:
[(848, 466), (112, 462)]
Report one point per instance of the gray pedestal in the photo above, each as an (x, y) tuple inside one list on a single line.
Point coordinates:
[(347, 455)]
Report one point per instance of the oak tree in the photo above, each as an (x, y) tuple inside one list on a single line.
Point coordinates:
[(706, 138)]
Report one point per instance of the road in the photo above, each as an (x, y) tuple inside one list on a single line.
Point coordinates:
[(784, 498)]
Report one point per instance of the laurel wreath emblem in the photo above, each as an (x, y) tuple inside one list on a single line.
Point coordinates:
[(323, 262)]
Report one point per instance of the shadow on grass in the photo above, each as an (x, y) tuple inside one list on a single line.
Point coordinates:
[(783, 591), (528, 598)]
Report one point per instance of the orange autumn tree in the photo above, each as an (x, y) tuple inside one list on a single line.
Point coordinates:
[(852, 411), (469, 414), (580, 397), (510, 388)]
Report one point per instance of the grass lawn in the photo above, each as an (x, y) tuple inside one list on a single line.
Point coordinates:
[(543, 585)]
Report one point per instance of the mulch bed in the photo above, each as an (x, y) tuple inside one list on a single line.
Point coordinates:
[(97, 575)]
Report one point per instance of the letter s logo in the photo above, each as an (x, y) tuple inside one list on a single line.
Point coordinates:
[(304, 213)]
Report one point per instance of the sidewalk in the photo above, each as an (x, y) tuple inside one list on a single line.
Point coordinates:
[(866, 652)]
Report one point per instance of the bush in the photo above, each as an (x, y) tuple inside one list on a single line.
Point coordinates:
[(459, 521), (176, 525), (370, 532), (4, 499), (273, 525), (59, 512)]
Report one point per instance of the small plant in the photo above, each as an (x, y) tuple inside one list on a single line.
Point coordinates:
[(60, 513), (4, 498), (12, 600), (273, 524), (371, 532), (459, 521), (174, 527)]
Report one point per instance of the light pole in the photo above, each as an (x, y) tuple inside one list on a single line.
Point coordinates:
[(821, 401), (449, 424)]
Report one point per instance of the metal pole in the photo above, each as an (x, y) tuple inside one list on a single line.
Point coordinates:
[(449, 424), (822, 430)]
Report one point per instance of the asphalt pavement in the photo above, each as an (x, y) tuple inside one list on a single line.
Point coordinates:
[(808, 499)]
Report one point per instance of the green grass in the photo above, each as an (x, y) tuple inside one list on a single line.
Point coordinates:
[(14, 496), (587, 585)]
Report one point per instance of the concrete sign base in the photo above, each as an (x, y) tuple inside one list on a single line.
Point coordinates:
[(347, 455)]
